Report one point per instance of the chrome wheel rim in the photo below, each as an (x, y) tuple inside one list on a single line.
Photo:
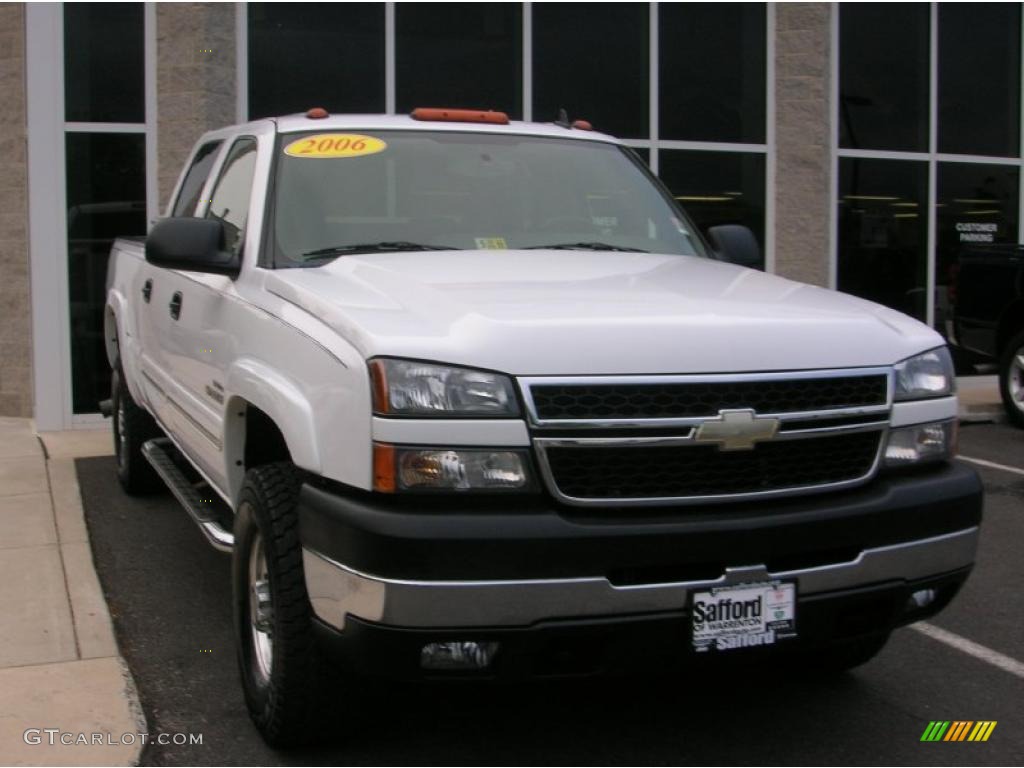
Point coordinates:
[(261, 611), (1015, 380), (121, 450)]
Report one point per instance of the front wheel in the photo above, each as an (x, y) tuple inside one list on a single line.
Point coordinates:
[(1011, 379), (277, 655)]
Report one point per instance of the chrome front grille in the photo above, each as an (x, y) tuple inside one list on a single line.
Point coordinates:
[(707, 398), (653, 472), (656, 440)]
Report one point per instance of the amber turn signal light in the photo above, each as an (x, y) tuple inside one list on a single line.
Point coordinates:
[(383, 468)]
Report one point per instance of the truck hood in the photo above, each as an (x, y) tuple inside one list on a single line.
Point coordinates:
[(544, 312)]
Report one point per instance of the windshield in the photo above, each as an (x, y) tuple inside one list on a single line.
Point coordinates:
[(339, 193)]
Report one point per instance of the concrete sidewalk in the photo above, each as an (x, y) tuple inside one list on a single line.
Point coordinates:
[(59, 663), (979, 398)]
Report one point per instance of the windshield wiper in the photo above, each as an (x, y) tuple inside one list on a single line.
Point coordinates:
[(381, 247), (585, 247)]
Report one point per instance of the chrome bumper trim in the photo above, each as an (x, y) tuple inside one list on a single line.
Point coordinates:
[(337, 591)]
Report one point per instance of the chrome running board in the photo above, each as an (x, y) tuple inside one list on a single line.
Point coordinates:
[(159, 453)]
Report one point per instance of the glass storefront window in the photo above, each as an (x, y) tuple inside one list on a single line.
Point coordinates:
[(979, 78), (976, 204), (304, 55), (883, 83), (459, 55), (712, 71), (883, 232), (717, 187), (599, 72), (106, 194), (104, 68)]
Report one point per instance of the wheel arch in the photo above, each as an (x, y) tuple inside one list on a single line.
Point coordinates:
[(267, 418)]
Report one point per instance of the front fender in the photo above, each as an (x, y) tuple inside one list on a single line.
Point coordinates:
[(284, 402)]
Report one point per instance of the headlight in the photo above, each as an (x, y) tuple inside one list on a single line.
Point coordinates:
[(408, 388), (926, 375), (396, 468), (921, 443)]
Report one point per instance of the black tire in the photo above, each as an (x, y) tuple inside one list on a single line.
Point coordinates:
[(1011, 379), (283, 694), (847, 654), (132, 426)]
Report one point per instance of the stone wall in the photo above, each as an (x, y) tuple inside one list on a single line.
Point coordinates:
[(803, 156), (195, 80), (15, 293)]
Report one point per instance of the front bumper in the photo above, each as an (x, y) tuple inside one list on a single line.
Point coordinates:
[(656, 643), (434, 564)]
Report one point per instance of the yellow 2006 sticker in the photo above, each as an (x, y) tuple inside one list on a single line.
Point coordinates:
[(335, 145)]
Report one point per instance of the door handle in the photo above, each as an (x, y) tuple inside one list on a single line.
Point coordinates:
[(147, 291), (175, 305)]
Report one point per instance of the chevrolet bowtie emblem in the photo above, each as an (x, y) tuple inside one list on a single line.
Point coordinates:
[(736, 430)]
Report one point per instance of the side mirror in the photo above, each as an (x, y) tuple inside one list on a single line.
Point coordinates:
[(736, 244), (194, 245)]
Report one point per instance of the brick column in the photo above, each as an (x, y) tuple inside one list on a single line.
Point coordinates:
[(15, 291), (803, 114), (195, 80)]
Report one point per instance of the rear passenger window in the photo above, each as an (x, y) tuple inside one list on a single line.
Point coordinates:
[(230, 202), (192, 187)]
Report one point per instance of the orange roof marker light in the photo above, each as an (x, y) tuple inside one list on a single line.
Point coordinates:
[(460, 115), (317, 113), (582, 125)]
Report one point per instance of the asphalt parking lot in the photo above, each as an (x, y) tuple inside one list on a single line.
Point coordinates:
[(169, 596)]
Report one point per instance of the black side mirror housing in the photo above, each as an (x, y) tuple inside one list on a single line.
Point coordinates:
[(194, 245), (736, 244)]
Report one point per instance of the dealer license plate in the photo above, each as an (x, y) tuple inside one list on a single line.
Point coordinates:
[(743, 616)]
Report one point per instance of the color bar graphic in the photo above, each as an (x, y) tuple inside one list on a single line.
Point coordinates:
[(958, 730), (935, 730)]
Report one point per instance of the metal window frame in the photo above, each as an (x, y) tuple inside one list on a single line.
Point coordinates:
[(47, 199), (932, 156)]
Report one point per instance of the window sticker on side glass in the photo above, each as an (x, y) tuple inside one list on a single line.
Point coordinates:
[(335, 145), (491, 243)]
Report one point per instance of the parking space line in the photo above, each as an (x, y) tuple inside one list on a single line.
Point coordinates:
[(971, 648), (992, 465)]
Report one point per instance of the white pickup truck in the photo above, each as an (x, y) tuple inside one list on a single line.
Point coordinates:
[(473, 398)]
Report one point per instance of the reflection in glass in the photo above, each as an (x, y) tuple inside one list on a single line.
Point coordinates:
[(230, 201), (449, 189), (106, 193), (104, 74), (598, 72), (717, 187), (883, 76), (192, 187), (975, 205), (459, 55), (712, 71), (979, 78), (883, 232), (304, 55)]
